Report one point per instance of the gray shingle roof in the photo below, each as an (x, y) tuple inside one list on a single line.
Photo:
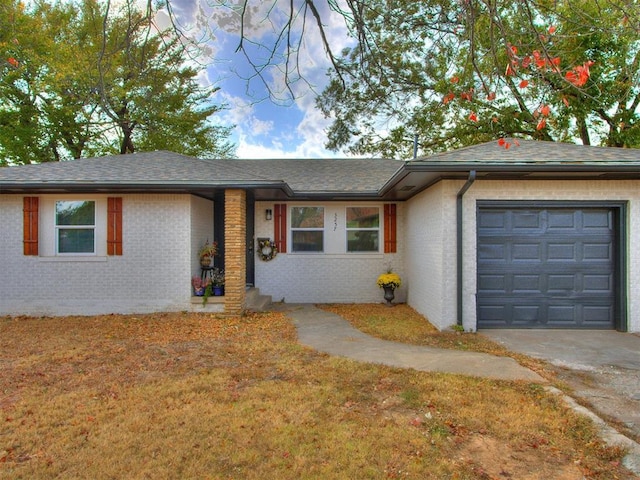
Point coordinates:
[(532, 152), (328, 178), (165, 168)]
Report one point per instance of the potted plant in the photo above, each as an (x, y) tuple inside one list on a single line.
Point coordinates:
[(199, 285), (207, 252), (389, 281), (217, 281)]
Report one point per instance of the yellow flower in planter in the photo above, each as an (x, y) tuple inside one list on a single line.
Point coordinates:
[(389, 279)]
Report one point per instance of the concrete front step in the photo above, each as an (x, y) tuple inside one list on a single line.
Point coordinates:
[(257, 302)]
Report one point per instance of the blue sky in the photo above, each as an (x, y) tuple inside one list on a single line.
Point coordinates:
[(279, 127)]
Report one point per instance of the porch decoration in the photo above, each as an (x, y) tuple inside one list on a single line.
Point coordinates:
[(389, 282), (199, 285), (267, 249), (207, 252), (217, 282)]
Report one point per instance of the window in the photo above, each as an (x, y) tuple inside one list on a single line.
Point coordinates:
[(75, 227), (363, 229), (307, 229)]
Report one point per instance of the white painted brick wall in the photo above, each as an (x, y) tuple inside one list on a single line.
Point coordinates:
[(153, 274), (327, 277), (431, 255)]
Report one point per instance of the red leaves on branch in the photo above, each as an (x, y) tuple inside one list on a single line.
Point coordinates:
[(542, 61), (580, 74), (468, 95), (473, 117), (448, 97), (13, 62), (507, 145), (543, 111), (524, 84)]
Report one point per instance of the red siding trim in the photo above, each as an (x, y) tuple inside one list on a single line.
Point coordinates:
[(30, 227), (114, 226), (280, 226), (390, 242)]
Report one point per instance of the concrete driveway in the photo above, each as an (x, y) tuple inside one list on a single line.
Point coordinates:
[(602, 367)]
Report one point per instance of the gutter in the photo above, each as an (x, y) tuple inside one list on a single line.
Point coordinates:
[(463, 190)]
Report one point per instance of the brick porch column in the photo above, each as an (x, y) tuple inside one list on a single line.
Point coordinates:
[(235, 259)]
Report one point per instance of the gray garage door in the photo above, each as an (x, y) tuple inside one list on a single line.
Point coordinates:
[(546, 267)]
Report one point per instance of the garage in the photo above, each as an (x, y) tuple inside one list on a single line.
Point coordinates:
[(548, 265)]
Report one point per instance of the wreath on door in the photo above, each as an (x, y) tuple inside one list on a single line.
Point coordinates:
[(267, 249)]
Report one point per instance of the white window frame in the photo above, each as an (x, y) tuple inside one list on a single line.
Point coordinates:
[(57, 227), (361, 229), (293, 229)]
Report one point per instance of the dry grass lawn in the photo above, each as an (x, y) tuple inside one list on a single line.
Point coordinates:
[(196, 396)]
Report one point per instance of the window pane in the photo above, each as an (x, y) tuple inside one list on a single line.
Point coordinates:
[(75, 213), (75, 240), (362, 241), (363, 217), (307, 241), (307, 217)]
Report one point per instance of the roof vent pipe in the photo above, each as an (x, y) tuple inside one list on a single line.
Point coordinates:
[(415, 146), (463, 190)]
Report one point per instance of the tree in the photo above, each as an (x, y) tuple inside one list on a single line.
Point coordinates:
[(458, 73), (84, 80)]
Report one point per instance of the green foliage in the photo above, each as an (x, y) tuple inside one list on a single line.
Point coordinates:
[(458, 73), (78, 79)]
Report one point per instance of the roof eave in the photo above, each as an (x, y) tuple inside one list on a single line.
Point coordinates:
[(182, 187)]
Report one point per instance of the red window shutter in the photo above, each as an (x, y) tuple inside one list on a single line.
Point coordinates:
[(30, 234), (280, 227), (114, 226), (390, 243)]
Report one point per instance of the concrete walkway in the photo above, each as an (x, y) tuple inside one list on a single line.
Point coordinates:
[(330, 333)]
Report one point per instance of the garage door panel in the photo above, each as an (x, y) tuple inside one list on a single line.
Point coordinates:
[(494, 219), (525, 314), (559, 313), (594, 284), (526, 283), (597, 221), (594, 316), (597, 251), (525, 251), (561, 220), (561, 283), (546, 268), (492, 251), (561, 251), (492, 283), (525, 221)]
